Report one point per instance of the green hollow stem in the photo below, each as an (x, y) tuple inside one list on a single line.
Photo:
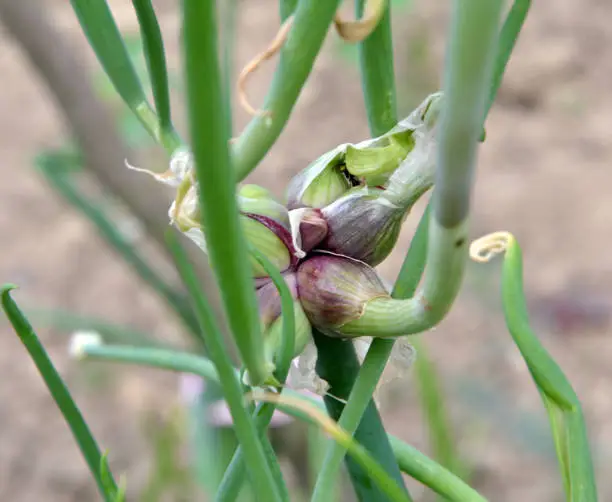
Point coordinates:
[(167, 359), (209, 125), (410, 460), (560, 400), (337, 364), (507, 40), (470, 55), (232, 481), (156, 62), (377, 73), (57, 388), (392, 490), (432, 474), (367, 377), (258, 468), (471, 48), (104, 37), (310, 25), (286, 8)]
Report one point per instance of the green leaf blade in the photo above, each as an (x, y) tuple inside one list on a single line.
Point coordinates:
[(58, 390), (156, 63), (258, 468), (105, 38), (560, 400), (220, 222)]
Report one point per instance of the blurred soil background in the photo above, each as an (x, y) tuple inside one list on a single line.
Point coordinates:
[(544, 174)]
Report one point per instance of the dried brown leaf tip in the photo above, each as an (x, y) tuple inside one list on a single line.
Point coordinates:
[(351, 31)]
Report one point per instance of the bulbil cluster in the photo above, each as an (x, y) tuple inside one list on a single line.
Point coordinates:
[(342, 216)]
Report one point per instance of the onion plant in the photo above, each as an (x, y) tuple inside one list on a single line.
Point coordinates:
[(297, 276)]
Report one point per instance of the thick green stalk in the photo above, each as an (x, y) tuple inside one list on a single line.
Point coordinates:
[(377, 73), (57, 388), (471, 48), (286, 8), (337, 364), (410, 460), (231, 483), (366, 379), (310, 25), (217, 189), (473, 44), (260, 473)]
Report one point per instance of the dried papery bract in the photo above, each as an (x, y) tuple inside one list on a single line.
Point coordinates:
[(357, 30), (485, 248), (268, 53), (350, 31), (308, 229)]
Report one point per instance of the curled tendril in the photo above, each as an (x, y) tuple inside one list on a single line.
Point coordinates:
[(359, 29), (488, 246), (252, 65), (351, 31)]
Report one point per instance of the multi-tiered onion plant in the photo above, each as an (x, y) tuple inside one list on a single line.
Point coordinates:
[(299, 273)]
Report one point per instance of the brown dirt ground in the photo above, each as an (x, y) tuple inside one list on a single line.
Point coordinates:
[(543, 175)]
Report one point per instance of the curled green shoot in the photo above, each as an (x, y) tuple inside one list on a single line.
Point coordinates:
[(560, 400)]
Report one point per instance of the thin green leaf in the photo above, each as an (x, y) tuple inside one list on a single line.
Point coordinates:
[(310, 26), (57, 388), (217, 198), (377, 73), (105, 39), (51, 165), (434, 410), (258, 469), (163, 358), (507, 40), (234, 475), (153, 45), (560, 400), (287, 310)]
